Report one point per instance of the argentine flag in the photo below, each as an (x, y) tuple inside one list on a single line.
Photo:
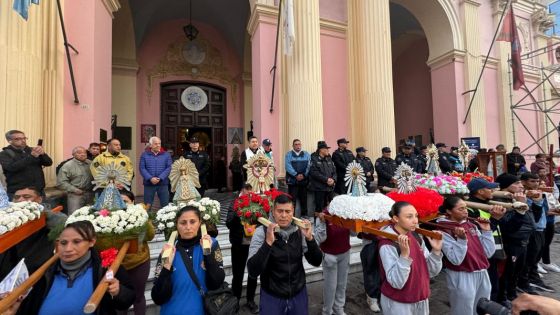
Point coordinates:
[(22, 7)]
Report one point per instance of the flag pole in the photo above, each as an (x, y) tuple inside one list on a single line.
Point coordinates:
[(506, 7), (67, 47), (273, 70)]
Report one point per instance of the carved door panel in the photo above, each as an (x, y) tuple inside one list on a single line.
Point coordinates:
[(178, 123)]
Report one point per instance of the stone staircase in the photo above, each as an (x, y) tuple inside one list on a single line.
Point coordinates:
[(313, 274)]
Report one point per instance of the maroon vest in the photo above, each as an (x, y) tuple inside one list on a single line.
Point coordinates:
[(338, 239), (475, 259), (417, 286)]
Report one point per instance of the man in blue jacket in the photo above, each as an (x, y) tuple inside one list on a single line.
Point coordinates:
[(155, 165), (297, 171)]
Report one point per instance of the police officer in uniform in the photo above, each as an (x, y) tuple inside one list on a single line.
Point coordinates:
[(202, 162), (322, 176), (443, 153), (409, 158), (385, 167), (341, 158), (366, 163)]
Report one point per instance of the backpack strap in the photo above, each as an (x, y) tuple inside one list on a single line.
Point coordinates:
[(188, 265)]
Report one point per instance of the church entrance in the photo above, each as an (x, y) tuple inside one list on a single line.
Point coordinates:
[(207, 124)]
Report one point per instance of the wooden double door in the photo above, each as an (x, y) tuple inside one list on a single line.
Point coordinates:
[(178, 124)]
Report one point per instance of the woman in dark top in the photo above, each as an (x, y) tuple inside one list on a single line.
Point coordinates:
[(174, 289), (67, 286)]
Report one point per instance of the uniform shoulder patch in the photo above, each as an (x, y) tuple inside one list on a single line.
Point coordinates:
[(218, 255)]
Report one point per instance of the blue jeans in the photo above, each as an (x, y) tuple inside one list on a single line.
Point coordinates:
[(150, 192)]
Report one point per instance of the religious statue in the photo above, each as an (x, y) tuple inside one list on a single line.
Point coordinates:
[(108, 175), (184, 180), (260, 172), (355, 179), (432, 166)]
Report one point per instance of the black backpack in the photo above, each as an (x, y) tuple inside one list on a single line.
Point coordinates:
[(59, 166)]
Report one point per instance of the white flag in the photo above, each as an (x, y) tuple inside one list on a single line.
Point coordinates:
[(289, 27), (15, 278)]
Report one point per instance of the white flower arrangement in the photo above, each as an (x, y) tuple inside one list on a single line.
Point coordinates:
[(131, 220), (373, 207), (209, 211), (17, 214)]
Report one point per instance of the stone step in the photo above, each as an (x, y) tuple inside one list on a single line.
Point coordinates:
[(312, 274)]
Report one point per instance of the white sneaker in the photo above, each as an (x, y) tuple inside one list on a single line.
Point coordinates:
[(551, 267), (540, 269), (373, 304)]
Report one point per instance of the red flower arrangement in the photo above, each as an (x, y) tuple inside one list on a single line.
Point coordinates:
[(467, 177), (252, 206), (108, 256), (426, 201)]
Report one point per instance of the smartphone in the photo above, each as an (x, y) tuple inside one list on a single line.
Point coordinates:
[(40, 143)]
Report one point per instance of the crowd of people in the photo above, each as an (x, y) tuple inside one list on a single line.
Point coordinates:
[(498, 254)]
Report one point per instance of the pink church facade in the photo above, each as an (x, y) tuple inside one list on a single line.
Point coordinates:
[(133, 63)]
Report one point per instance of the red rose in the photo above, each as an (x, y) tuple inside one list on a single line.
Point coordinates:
[(108, 256), (239, 213), (255, 198), (248, 214), (258, 214), (245, 203), (266, 207)]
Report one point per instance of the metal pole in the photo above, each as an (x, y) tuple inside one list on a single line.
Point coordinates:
[(67, 48), (511, 102), (544, 104), (485, 62), (273, 70)]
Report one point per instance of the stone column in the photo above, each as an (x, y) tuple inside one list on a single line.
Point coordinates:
[(31, 84), (371, 75), (473, 65), (303, 111)]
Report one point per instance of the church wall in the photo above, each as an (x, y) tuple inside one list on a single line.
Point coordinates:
[(88, 24), (334, 76), (154, 51), (413, 93)]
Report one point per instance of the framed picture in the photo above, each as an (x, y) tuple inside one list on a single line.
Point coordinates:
[(235, 135), (146, 132)]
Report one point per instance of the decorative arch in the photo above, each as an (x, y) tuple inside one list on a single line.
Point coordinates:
[(440, 23)]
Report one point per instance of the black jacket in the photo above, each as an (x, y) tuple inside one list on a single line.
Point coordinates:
[(341, 159), (233, 223), (23, 169), (385, 169), (423, 162), (202, 162), (444, 164), (280, 266), (410, 160), (368, 167), (122, 301), (512, 159), (320, 171)]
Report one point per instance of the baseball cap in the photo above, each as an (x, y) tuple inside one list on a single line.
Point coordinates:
[(441, 145), (386, 150), (267, 142), (361, 149), (193, 140), (342, 140), (480, 183)]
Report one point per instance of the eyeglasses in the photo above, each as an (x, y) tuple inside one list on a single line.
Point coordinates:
[(19, 139)]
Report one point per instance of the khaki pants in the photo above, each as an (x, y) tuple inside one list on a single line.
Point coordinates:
[(75, 202)]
